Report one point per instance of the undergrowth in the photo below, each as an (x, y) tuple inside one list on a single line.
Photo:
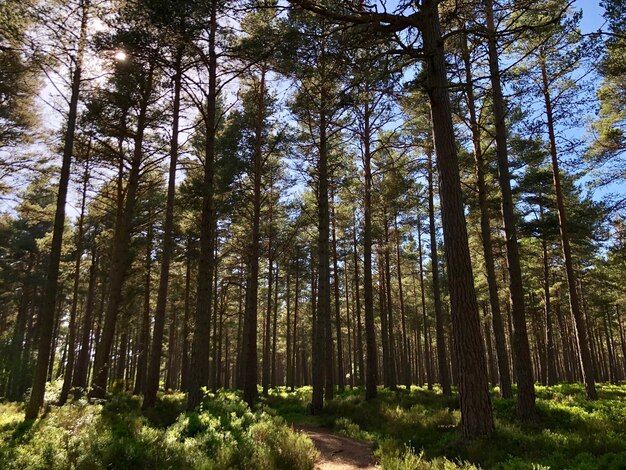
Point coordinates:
[(418, 429), (223, 434)]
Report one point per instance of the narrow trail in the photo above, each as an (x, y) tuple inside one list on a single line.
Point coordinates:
[(339, 452)]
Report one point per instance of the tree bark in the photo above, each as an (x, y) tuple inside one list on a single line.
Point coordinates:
[(476, 411), (526, 409), (46, 314), (506, 390), (442, 355), (154, 364), (368, 299), (579, 322), (71, 354), (199, 363)]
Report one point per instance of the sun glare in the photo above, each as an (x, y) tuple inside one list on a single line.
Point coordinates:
[(120, 56)]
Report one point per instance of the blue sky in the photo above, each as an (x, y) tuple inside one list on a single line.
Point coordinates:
[(592, 14)]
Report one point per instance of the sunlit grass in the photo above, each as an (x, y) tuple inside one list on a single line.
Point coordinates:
[(420, 428), (223, 434)]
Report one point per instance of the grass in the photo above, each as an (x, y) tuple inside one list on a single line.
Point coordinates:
[(223, 434), (418, 429)]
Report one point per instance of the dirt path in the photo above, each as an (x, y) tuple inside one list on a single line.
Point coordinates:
[(338, 452)]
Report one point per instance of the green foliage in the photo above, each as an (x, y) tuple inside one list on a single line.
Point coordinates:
[(224, 434), (418, 429)]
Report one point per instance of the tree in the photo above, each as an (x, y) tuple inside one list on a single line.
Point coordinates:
[(46, 317), (550, 67)]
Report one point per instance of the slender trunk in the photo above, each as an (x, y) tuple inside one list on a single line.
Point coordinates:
[(268, 321), (199, 363), (368, 300), (46, 314), (79, 381), (506, 390), (390, 324), (427, 353), (184, 379), (322, 356), (358, 349), (579, 323), (349, 325), (340, 371), (69, 369), (154, 364), (406, 370), (274, 332), (288, 347), (550, 346), (120, 258), (295, 377), (442, 355), (526, 409), (143, 345)]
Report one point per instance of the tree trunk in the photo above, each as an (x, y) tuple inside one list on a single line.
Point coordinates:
[(406, 370), (442, 355), (368, 299), (46, 314), (526, 409), (79, 381), (427, 353), (71, 354), (154, 364), (340, 370), (322, 329), (579, 322), (199, 363), (143, 346), (120, 257), (476, 411), (506, 390), (357, 305)]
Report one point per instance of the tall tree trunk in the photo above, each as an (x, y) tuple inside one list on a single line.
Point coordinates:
[(46, 314), (526, 409), (357, 305), (550, 346), (288, 344), (340, 370), (71, 354), (295, 376), (274, 331), (322, 329), (393, 381), (368, 298), (184, 379), (199, 363), (485, 231), (442, 355), (476, 410), (406, 370), (154, 364), (265, 379), (120, 257), (79, 381), (427, 353), (579, 322), (143, 345)]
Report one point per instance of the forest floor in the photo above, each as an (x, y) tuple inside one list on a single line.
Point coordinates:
[(339, 452), (418, 429), (400, 430)]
